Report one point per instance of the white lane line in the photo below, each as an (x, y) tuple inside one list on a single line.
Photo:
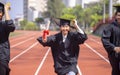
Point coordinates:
[(21, 37), (79, 71), (40, 66), (96, 41), (22, 42), (97, 53), (23, 52), (41, 63), (16, 39)]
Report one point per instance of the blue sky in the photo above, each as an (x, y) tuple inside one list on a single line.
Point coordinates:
[(16, 8)]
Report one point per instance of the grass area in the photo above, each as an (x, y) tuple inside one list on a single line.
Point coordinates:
[(14, 34)]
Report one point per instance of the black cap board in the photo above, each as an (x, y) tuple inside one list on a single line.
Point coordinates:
[(117, 8), (64, 22)]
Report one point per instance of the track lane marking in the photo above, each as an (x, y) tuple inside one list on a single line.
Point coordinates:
[(22, 42), (23, 52), (79, 71), (21, 37), (96, 41), (42, 62), (96, 52)]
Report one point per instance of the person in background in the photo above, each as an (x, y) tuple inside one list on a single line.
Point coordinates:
[(6, 27), (65, 47), (111, 42)]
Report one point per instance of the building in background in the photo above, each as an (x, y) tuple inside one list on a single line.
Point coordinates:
[(17, 20), (69, 3), (34, 8), (73, 3), (80, 2), (25, 9)]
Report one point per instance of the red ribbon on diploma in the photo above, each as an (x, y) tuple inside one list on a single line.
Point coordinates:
[(45, 33)]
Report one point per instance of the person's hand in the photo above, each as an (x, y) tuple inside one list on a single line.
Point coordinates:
[(117, 49), (46, 32), (44, 39), (45, 35), (74, 22), (76, 26), (7, 7)]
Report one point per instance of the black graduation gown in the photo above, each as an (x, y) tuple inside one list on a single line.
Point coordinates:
[(5, 28), (111, 38), (65, 54)]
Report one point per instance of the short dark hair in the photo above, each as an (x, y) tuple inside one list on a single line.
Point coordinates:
[(2, 8), (116, 13)]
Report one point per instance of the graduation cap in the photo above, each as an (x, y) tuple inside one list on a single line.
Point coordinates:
[(1, 7), (61, 21), (64, 22), (117, 8)]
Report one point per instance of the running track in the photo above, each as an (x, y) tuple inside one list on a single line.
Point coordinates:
[(28, 57)]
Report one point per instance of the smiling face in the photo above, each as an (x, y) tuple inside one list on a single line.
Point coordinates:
[(1, 10), (1, 15), (65, 29), (117, 16)]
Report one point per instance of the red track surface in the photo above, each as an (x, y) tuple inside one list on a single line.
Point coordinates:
[(28, 57)]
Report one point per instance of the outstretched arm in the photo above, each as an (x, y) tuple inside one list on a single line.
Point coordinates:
[(49, 42), (8, 22), (46, 40)]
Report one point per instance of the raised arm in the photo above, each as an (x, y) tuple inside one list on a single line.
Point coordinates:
[(8, 22), (80, 35), (48, 42)]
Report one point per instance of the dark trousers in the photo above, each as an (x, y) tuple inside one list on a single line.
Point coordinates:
[(4, 69), (115, 65), (62, 74)]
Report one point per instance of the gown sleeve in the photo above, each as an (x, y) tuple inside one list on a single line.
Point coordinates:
[(80, 38), (50, 41), (107, 32), (8, 25)]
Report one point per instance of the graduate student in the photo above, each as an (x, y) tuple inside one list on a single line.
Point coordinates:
[(65, 47), (111, 42), (6, 27)]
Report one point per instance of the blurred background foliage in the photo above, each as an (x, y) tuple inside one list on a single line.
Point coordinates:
[(87, 17)]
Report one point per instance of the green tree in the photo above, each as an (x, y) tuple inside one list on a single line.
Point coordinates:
[(54, 8), (76, 13), (68, 16), (30, 26), (67, 11), (23, 23), (95, 18), (107, 4), (39, 20)]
